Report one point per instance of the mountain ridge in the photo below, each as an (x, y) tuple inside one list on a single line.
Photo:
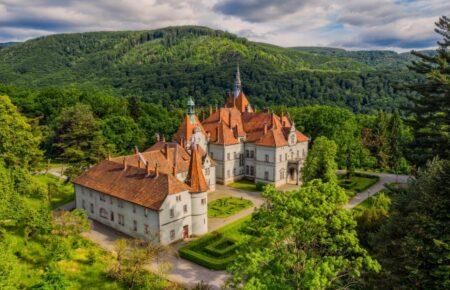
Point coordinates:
[(167, 65)]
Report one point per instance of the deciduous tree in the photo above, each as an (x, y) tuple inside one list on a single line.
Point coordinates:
[(301, 239), (320, 163)]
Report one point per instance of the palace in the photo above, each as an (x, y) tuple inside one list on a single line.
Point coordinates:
[(258, 146), (160, 194)]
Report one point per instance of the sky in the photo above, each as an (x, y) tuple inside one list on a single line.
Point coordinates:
[(399, 25)]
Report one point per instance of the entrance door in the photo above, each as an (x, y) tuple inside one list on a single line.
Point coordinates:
[(292, 174), (186, 232)]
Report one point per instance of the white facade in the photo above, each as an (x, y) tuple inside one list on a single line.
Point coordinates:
[(180, 216), (277, 165)]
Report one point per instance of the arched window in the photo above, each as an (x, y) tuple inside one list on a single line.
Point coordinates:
[(103, 213)]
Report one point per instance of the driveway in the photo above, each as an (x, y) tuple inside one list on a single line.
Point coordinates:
[(374, 189), (182, 271)]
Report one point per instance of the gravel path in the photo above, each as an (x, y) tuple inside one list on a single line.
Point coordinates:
[(374, 189)]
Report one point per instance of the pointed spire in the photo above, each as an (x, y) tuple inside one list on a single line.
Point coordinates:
[(195, 178), (237, 83)]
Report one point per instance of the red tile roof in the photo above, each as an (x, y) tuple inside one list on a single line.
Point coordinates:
[(240, 102), (226, 125), (165, 157), (195, 177), (187, 128), (133, 184)]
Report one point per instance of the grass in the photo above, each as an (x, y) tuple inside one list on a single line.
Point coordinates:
[(227, 206), (60, 191), (244, 185), (217, 249), (356, 183), (369, 202), (80, 271)]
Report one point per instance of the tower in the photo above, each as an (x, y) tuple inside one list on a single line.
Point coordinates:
[(199, 188), (237, 83)]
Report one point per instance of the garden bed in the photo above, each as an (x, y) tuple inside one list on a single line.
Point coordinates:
[(218, 249), (227, 206), (358, 182)]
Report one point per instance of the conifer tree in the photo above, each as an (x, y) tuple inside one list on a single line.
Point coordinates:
[(431, 103)]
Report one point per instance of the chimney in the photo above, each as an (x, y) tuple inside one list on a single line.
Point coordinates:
[(210, 110), (136, 150), (156, 170), (125, 165), (157, 137), (166, 150), (164, 138), (147, 169), (109, 157)]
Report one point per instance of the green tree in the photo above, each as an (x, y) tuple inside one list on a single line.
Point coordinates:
[(430, 109), (301, 239), (131, 257), (123, 133), (413, 244), (78, 140), (320, 163), (70, 223), (18, 141)]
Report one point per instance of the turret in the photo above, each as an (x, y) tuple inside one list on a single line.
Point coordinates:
[(237, 83), (190, 107), (199, 196)]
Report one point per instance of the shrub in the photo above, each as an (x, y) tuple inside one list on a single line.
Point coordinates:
[(260, 186)]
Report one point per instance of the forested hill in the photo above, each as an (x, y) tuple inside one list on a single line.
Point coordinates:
[(167, 65)]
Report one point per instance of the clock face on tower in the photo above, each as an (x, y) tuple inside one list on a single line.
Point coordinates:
[(292, 139)]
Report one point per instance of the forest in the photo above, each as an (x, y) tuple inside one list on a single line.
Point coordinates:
[(165, 66)]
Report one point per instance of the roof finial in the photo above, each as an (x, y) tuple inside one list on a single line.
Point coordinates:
[(237, 83), (191, 107)]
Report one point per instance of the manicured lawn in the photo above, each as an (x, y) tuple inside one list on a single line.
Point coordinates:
[(368, 203), (244, 185), (60, 192), (227, 206), (218, 249), (356, 183)]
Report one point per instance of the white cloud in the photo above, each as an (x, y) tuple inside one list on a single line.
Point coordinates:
[(396, 24)]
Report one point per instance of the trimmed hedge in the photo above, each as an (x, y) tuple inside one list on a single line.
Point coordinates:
[(205, 252), (204, 260), (212, 248)]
